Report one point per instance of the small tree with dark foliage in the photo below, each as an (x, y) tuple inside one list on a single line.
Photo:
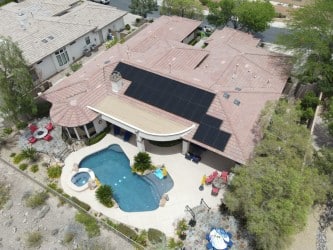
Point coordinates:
[(104, 195)]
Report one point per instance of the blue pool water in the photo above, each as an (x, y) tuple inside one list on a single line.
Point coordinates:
[(80, 178), (132, 192)]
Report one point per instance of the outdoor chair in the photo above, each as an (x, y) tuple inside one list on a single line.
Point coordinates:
[(224, 176), (48, 137), (32, 139), (211, 177), (215, 191), (33, 127), (49, 126)]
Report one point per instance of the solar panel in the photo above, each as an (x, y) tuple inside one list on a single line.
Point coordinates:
[(177, 98)]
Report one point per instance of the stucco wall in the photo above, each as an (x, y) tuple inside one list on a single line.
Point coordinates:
[(115, 26), (45, 68)]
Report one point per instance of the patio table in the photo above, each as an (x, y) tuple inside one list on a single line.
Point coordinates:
[(40, 133)]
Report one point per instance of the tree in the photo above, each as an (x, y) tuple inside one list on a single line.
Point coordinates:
[(16, 83), (274, 192), (220, 13), (184, 8), (254, 16), (104, 195), (143, 7), (311, 39), (142, 162)]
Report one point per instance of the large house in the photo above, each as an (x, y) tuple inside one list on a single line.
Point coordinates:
[(54, 34), (159, 88)]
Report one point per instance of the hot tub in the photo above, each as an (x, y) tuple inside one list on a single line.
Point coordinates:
[(80, 179)]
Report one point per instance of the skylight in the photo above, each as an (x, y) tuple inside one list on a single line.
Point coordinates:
[(237, 102), (226, 95)]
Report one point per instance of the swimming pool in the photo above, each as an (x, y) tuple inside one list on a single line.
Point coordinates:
[(132, 192)]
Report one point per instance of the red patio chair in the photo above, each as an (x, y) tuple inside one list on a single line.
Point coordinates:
[(32, 139), (224, 176), (215, 191), (33, 127), (48, 137), (49, 126), (211, 177)]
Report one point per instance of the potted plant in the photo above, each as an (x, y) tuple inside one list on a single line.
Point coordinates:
[(181, 229)]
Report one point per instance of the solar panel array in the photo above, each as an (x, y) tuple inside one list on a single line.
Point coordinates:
[(177, 98)]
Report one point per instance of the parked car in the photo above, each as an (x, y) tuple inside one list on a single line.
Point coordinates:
[(105, 1)]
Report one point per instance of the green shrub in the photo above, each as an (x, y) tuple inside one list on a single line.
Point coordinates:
[(37, 199), (129, 232), (111, 43), (23, 166), (85, 206), (34, 168), (18, 158), (4, 194), (30, 153), (55, 187), (175, 244), (181, 227), (21, 125), (142, 238), (89, 223), (54, 171), (156, 236), (142, 162), (43, 109), (127, 27), (7, 131), (104, 195), (98, 137), (34, 239), (12, 154), (76, 66)]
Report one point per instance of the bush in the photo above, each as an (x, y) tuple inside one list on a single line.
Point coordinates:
[(43, 109), (127, 27), (175, 244), (89, 223), (21, 125), (54, 171), (30, 153), (23, 166), (156, 236), (37, 199), (7, 131), (12, 154), (181, 228), (34, 168), (142, 162), (129, 232), (142, 238), (110, 43), (55, 187), (68, 237), (104, 195), (76, 66), (98, 137), (18, 158), (34, 239), (85, 206)]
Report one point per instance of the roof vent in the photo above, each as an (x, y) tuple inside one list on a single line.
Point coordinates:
[(236, 102), (116, 81), (44, 41), (50, 37), (238, 89), (107, 61), (226, 95)]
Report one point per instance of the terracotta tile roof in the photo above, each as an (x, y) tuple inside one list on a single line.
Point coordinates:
[(243, 77)]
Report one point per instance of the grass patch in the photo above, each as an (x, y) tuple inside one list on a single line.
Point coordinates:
[(37, 199), (4, 194), (54, 172), (23, 166), (34, 168), (34, 239), (89, 223)]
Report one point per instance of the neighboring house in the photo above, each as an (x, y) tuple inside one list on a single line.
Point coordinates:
[(161, 89), (53, 34)]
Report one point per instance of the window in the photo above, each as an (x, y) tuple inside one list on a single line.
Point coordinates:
[(62, 57), (87, 40)]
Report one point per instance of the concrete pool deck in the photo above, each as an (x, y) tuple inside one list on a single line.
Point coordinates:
[(185, 174)]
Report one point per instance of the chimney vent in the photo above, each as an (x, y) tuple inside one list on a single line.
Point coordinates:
[(116, 81)]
